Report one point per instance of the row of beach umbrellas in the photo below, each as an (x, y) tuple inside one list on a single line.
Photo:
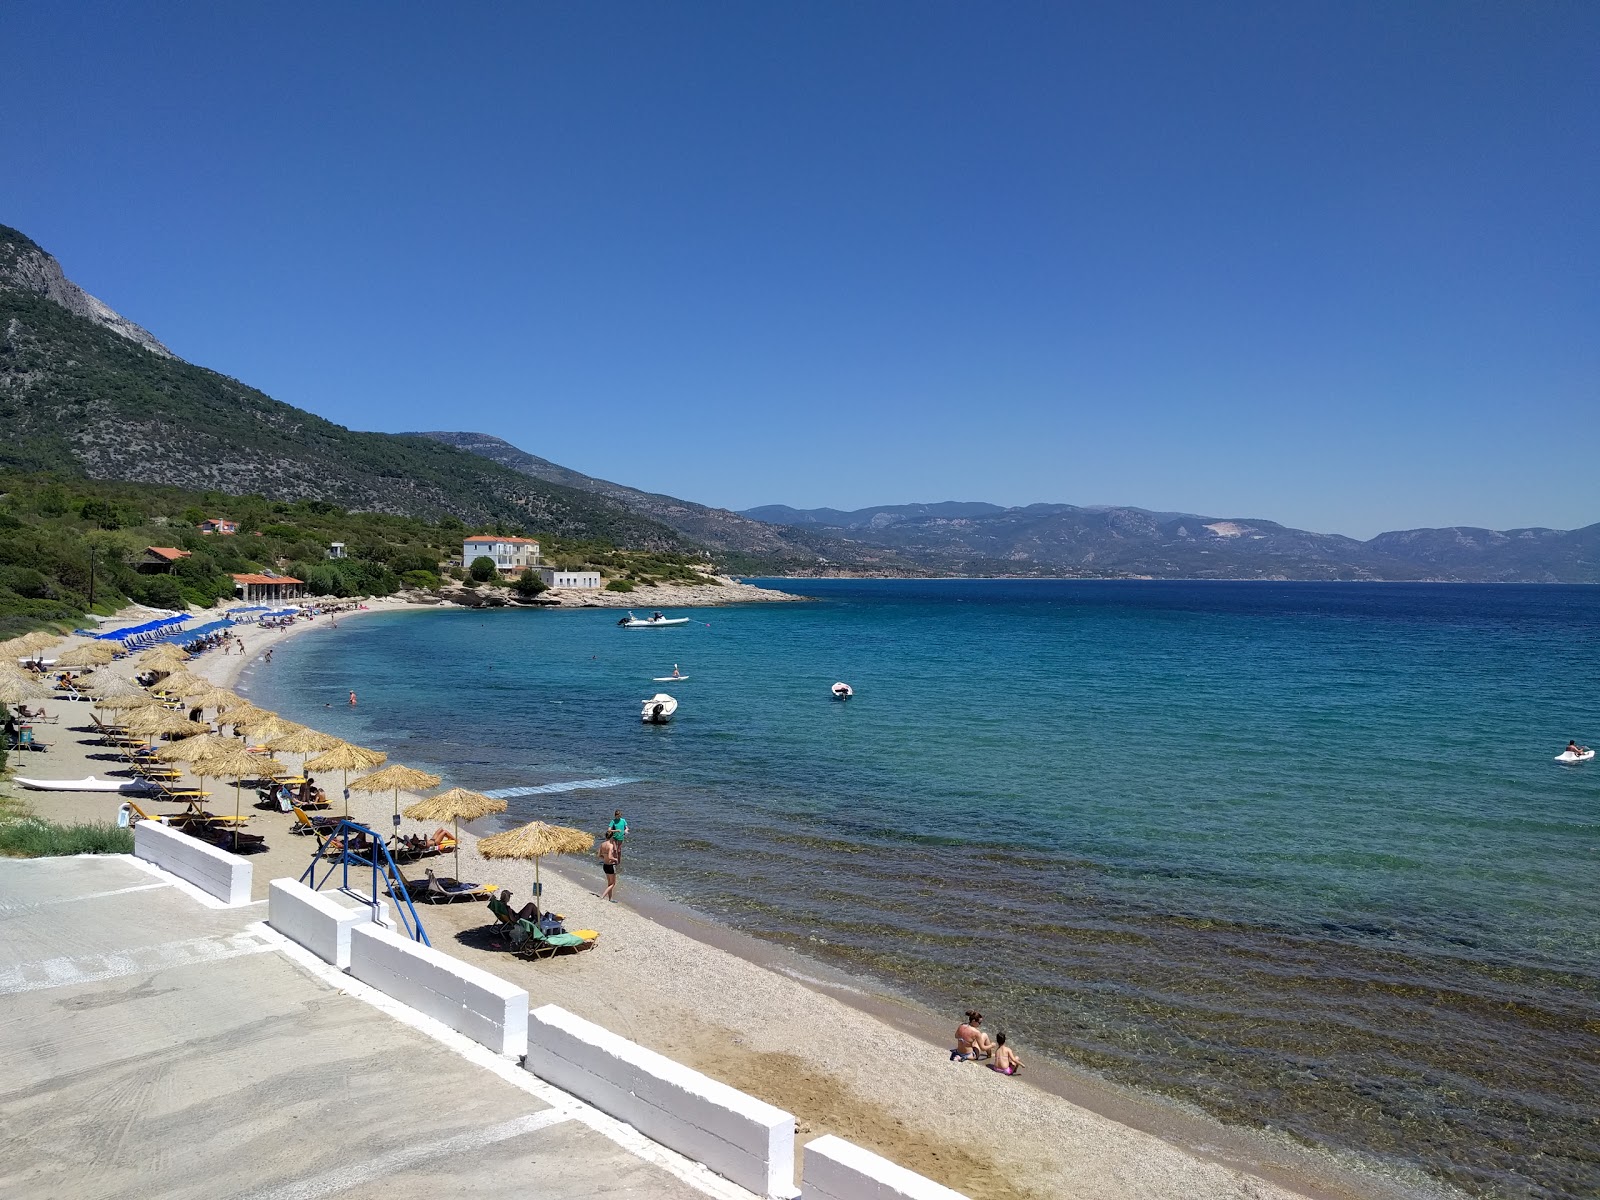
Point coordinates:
[(214, 755)]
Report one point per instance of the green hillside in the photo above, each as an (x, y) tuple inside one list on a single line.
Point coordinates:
[(78, 398)]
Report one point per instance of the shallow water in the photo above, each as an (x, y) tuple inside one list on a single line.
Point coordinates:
[(1293, 852)]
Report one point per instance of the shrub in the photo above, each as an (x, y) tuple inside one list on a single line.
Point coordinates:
[(33, 838), (483, 569), (620, 585), (528, 584)]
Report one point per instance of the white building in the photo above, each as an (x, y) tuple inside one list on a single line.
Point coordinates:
[(509, 553), (570, 579)]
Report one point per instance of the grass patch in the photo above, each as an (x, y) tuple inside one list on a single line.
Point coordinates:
[(32, 838)]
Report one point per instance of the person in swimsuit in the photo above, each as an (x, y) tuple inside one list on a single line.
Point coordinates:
[(1005, 1061), (1574, 748), (971, 1042), (610, 856)]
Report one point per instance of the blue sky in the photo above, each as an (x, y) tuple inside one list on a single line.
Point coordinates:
[(1329, 264)]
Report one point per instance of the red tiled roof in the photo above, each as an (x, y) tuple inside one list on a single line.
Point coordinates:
[(170, 553), (266, 579), (495, 537)]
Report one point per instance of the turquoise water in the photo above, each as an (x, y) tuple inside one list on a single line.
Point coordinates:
[(1296, 853)]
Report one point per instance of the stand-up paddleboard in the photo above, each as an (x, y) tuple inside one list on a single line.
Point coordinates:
[(1567, 756), (669, 679)]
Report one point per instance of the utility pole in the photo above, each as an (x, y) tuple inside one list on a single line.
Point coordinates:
[(92, 552)]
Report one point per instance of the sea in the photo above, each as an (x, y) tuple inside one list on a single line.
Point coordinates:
[(1297, 854)]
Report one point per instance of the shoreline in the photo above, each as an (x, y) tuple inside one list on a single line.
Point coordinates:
[(1276, 1160), (768, 1020)]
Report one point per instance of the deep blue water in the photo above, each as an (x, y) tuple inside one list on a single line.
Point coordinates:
[(1294, 852)]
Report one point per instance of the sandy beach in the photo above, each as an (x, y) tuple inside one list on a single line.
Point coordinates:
[(843, 1058)]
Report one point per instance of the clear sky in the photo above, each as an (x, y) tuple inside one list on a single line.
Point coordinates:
[(1333, 264)]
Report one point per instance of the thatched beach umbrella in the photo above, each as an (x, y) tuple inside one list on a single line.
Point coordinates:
[(245, 712), (534, 840), (347, 757), (18, 688), (395, 777), (158, 722), (204, 745), (163, 659), (262, 727), (129, 701), (219, 698), (185, 683), (29, 645), (456, 805), (91, 654), (238, 765)]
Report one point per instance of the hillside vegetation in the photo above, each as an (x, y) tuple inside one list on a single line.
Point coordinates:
[(62, 537)]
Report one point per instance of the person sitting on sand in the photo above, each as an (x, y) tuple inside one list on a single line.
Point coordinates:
[(972, 1042), (1005, 1060)]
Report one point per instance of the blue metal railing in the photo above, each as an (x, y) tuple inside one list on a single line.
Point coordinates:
[(393, 882)]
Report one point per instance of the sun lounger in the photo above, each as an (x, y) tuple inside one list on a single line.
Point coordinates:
[(321, 826), (444, 890), (529, 941)]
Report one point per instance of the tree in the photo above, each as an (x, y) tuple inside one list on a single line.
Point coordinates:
[(528, 585), (483, 568)]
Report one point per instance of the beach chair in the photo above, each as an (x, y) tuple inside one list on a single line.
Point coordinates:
[(447, 891), (139, 814), (529, 941), (320, 826), (26, 741)]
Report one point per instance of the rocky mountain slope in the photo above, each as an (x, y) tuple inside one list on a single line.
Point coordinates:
[(977, 538), (89, 392), (733, 536)]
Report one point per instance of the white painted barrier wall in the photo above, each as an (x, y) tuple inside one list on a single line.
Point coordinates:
[(471, 1001), (839, 1170), (737, 1136), (226, 876), (319, 921)]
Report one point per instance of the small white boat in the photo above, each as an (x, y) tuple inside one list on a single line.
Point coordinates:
[(127, 787), (658, 709), (842, 691), (1566, 756), (669, 679), (655, 621)]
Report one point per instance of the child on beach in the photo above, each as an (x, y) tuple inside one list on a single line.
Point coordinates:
[(1005, 1060)]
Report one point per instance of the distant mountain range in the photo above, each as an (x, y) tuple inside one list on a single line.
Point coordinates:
[(1065, 539), (84, 390)]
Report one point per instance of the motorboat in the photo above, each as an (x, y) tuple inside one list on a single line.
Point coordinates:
[(653, 621), (658, 709), (842, 691), (126, 787), (1584, 754)]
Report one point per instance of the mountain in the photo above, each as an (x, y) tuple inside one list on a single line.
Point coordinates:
[(1066, 539), (87, 392), (734, 536)]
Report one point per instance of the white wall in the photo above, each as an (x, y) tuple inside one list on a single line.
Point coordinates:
[(744, 1139), (226, 876), (471, 1001), (319, 921), (839, 1170)]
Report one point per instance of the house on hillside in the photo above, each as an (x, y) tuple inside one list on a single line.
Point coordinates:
[(510, 554), (570, 579), (267, 587), (336, 550), (159, 560), (219, 525)]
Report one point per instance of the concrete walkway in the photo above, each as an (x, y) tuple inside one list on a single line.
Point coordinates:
[(155, 1046)]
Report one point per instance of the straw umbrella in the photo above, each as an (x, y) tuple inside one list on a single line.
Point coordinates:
[(184, 683), (30, 643), (456, 805), (204, 745), (92, 654), (397, 776), (344, 758), (534, 840), (18, 688), (237, 765), (158, 722)]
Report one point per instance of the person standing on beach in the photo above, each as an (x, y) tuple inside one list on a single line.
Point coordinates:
[(610, 858), (619, 827)]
